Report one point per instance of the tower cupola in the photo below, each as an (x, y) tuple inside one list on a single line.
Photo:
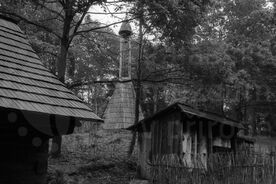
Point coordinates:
[(125, 30)]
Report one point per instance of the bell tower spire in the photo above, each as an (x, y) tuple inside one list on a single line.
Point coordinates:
[(120, 111)]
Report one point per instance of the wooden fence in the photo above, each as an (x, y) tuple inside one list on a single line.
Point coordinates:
[(227, 168)]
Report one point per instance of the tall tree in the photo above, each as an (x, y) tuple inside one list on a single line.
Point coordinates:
[(69, 15)]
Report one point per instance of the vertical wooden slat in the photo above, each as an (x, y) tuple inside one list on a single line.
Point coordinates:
[(176, 134), (209, 139), (159, 138), (167, 136), (153, 142), (171, 136), (180, 135), (156, 142), (163, 141), (234, 142)]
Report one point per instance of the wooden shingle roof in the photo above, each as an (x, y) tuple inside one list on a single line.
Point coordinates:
[(120, 111), (183, 108), (25, 84)]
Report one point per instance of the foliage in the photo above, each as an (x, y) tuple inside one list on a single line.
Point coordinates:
[(171, 20), (216, 55), (229, 65)]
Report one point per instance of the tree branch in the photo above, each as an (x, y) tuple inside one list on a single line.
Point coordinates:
[(100, 13), (78, 24), (32, 23), (166, 80), (50, 10), (101, 27)]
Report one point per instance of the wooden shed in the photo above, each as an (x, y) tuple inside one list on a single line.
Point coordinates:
[(34, 106), (185, 132)]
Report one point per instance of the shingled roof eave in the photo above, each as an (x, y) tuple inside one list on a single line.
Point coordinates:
[(11, 36), (81, 118)]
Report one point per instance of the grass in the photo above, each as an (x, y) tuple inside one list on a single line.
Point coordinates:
[(97, 159)]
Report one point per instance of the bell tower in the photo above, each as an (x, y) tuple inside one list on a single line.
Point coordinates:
[(120, 111), (125, 51)]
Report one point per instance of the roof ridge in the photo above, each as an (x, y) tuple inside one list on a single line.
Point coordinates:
[(210, 112)]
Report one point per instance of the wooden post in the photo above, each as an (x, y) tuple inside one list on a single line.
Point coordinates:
[(209, 139), (234, 142), (180, 136), (209, 142)]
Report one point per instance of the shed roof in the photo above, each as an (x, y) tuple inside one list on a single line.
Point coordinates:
[(183, 108), (25, 84)]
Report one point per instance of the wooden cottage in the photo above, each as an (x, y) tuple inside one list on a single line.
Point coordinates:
[(185, 132), (34, 106)]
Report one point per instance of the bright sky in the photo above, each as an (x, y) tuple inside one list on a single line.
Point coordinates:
[(109, 18)]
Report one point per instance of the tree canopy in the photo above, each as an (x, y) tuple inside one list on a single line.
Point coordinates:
[(215, 55)]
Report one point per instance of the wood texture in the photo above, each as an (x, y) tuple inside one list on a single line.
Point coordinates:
[(120, 112), (25, 84)]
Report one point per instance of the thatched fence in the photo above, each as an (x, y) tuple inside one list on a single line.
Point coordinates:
[(226, 168)]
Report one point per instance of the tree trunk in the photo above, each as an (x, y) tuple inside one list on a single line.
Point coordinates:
[(138, 85), (61, 68), (57, 140)]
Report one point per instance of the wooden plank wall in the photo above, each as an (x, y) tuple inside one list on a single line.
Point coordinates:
[(144, 155), (167, 134)]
